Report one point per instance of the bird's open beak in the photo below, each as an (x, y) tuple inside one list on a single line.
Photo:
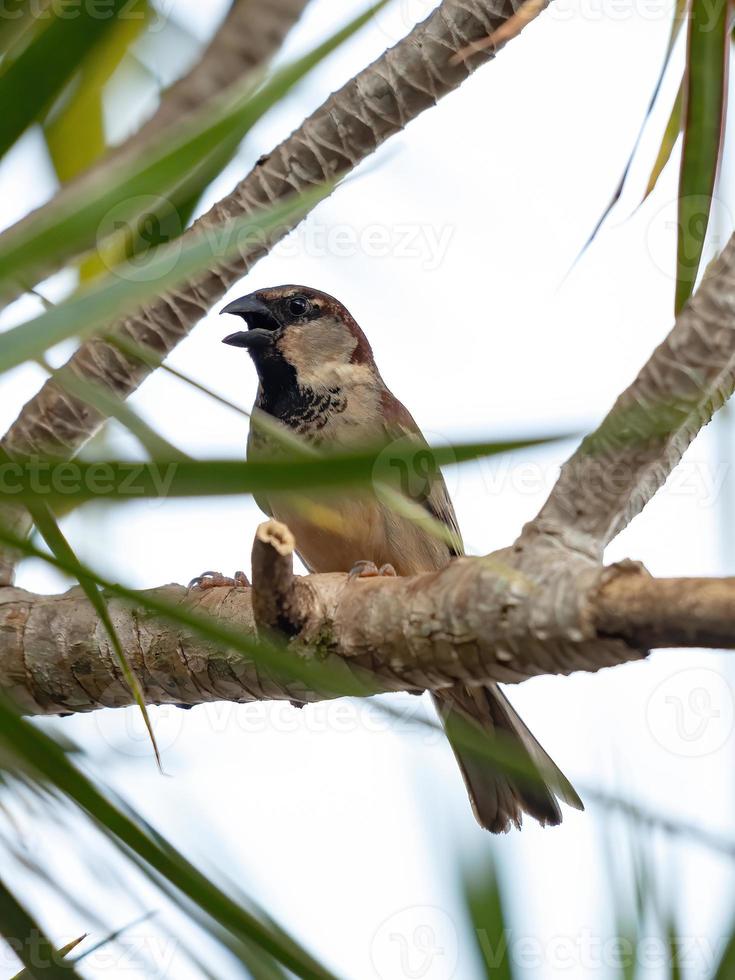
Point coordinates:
[(254, 338), (254, 312)]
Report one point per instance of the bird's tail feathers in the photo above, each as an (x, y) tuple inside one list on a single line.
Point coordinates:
[(500, 797)]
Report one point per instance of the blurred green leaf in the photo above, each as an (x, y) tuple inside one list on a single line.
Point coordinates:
[(26, 974), (254, 962), (705, 85), (680, 12), (108, 405), (499, 751), (725, 969), (172, 161), (673, 944), (485, 910), (625, 920), (111, 937), (668, 142), (81, 480), (329, 675), (43, 756), (51, 532), (28, 942), (16, 20), (42, 68), (168, 265), (75, 133)]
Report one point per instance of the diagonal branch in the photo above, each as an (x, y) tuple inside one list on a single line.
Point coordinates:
[(428, 631), (620, 466), (251, 33), (352, 123)]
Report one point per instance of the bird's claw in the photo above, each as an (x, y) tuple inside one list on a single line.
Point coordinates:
[(368, 569), (216, 580)]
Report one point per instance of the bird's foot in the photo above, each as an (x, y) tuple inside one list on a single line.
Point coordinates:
[(215, 580), (368, 569)]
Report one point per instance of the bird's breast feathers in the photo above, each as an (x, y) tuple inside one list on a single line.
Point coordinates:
[(335, 530), (341, 410)]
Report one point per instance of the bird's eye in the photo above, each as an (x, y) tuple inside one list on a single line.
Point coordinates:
[(298, 306)]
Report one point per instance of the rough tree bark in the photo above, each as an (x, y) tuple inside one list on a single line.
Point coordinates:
[(249, 36), (620, 466), (425, 632), (413, 634), (352, 123)]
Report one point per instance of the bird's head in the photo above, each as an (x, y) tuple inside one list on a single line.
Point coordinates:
[(298, 333)]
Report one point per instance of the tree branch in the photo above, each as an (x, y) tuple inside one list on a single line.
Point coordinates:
[(249, 36), (280, 605), (668, 612), (620, 466), (352, 123), (429, 631)]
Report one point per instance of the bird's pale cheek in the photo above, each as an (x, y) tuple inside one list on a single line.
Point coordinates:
[(294, 344), (314, 348)]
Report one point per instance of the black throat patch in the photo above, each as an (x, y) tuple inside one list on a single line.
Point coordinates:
[(301, 408)]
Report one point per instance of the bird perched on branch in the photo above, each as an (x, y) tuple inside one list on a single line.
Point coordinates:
[(318, 378)]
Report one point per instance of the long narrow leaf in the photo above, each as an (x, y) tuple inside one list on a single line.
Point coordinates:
[(626, 920), (17, 20), (725, 969), (708, 55), (171, 161), (27, 974), (679, 17), (31, 80), (486, 911), (331, 676), (75, 133), (53, 536), (81, 480), (111, 407), (28, 941), (168, 265), (675, 950), (43, 755), (668, 142)]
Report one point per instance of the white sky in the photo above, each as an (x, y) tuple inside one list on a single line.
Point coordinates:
[(340, 825)]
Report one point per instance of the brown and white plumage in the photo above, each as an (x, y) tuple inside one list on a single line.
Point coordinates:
[(318, 377)]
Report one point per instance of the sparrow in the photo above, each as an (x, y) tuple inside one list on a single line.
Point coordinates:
[(318, 378)]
